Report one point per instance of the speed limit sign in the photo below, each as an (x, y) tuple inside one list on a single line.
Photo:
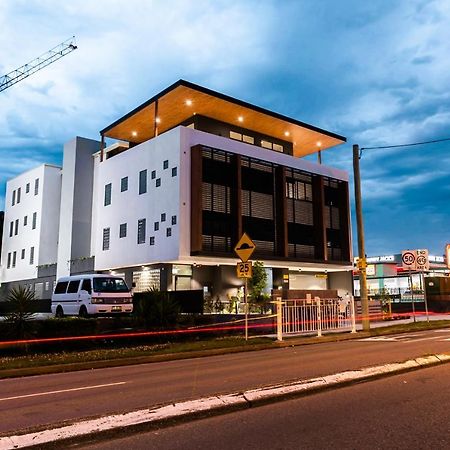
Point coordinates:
[(244, 269), (409, 259)]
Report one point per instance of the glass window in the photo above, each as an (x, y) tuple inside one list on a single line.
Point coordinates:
[(108, 189), (32, 255), (22, 256), (16, 227), (152, 240), (142, 181), (36, 186), (61, 287), (11, 229), (158, 182), (166, 164), (174, 220), (124, 184), (47, 285), (86, 286), (106, 234), (153, 174), (14, 259), (13, 202), (266, 144), (236, 136), (278, 147), (248, 139), (107, 284), (73, 287), (18, 195), (141, 231), (122, 230), (169, 232), (33, 222), (27, 188), (9, 261), (163, 217), (156, 226), (25, 221), (174, 171)]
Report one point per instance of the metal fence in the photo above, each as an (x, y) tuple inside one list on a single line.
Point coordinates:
[(317, 315)]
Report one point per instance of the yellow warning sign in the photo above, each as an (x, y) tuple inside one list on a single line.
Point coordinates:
[(244, 248), (244, 269)]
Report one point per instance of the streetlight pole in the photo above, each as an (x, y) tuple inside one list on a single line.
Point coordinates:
[(361, 249)]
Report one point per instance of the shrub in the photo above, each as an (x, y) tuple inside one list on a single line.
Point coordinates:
[(19, 310), (156, 308)]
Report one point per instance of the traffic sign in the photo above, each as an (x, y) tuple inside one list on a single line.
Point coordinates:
[(409, 259), (422, 262), (244, 269), (244, 248)]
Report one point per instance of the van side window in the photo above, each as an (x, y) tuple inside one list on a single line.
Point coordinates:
[(61, 287), (86, 286), (73, 287)]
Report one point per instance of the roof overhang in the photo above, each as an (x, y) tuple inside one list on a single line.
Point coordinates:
[(180, 101)]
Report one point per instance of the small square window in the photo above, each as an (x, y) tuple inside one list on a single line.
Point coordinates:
[(174, 220), (158, 182), (123, 230), (152, 240), (174, 171), (166, 164), (163, 217), (124, 184), (169, 232), (156, 227), (153, 174)]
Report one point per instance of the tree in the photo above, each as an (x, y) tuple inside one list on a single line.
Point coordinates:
[(258, 283), (19, 306)]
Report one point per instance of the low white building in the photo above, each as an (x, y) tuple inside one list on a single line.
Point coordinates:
[(165, 203)]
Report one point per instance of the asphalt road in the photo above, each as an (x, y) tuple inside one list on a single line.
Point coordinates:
[(49, 399), (407, 411)]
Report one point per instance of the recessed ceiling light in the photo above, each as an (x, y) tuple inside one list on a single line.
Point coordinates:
[(319, 144), (134, 133), (286, 133), (158, 120), (189, 102), (240, 119)]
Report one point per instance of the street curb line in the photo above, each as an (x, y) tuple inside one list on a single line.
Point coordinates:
[(240, 400)]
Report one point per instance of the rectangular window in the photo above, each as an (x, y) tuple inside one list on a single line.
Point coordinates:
[(266, 144), (36, 186), (169, 232), (174, 171), (86, 286), (25, 221), (61, 287), (236, 136), (123, 230), (73, 287), (32, 255), (124, 184), (8, 265), (27, 188), (152, 240), (11, 229), (16, 227), (158, 182), (47, 285), (174, 220), (156, 227), (18, 194), (13, 202), (22, 256), (166, 164), (108, 189), (141, 231), (106, 233), (33, 222), (278, 147), (153, 174), (14, 259), (248, 139), (142, 181), (163, 217)]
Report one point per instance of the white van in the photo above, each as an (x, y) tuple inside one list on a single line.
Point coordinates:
[(88, 294)]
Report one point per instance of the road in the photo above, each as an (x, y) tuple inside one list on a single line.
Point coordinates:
[(401, 412), (48, 399)]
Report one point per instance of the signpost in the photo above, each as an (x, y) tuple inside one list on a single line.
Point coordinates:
[(244, 249)]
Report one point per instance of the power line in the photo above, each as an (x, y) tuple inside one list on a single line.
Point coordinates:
[(407, 145)]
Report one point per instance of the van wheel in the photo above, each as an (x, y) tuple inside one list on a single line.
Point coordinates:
[(83, 312), (59, 312)]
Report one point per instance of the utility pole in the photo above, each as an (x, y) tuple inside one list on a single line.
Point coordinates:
[(361, 250)]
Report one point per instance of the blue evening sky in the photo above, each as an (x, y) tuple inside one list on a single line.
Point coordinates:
[(377, 72)]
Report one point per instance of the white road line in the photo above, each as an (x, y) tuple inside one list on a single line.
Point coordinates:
[(37, 394)]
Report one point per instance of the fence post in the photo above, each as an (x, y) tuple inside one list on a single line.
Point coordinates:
[(319, 317), (279, 303), (352, 312)]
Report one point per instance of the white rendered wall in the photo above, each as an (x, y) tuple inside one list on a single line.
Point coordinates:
[(129, 207), (44, 237)]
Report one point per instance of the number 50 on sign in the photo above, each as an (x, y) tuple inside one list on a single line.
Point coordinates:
[(244, 269)]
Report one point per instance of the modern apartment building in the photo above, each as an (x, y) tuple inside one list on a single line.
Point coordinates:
[(182, 177)]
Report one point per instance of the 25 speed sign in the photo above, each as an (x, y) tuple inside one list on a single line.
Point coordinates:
[(244, 269)]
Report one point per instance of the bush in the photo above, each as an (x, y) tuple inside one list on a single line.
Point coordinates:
[(19, 311), (156, 308)]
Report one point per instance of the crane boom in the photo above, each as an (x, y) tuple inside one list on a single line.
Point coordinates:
[(39, 63)]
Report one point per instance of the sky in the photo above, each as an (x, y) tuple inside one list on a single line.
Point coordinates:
[(376, 72)]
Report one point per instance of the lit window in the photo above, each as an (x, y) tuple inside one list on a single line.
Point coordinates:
[(278, 147), (248, 139), (266, 144), (236, 136)]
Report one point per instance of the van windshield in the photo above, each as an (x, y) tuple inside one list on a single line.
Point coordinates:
[(109, 285)]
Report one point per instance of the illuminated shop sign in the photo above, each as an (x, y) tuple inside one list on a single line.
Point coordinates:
[(381, 259)]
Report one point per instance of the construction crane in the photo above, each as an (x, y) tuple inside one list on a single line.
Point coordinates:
[(39, 63)]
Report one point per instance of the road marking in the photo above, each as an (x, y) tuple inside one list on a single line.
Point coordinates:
[(404, 338), (37, 394)]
